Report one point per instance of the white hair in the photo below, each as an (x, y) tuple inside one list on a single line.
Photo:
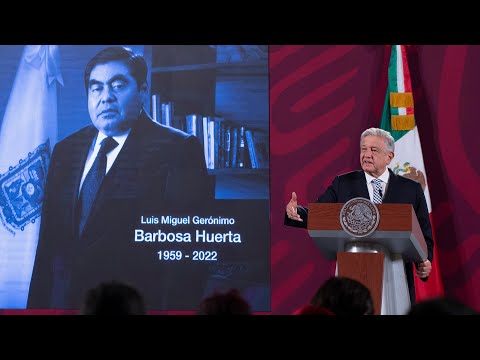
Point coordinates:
[(389, 141)]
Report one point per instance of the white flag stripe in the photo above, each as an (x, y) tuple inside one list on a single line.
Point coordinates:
[(30, 120), (409, 149)]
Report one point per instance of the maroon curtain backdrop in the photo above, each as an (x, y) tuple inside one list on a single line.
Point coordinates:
[(321, 99)]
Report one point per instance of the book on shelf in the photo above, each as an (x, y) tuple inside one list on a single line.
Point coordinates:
[(261, 149), (194, 126), (221, 145), (156, 106), (251, 148), (241, 157), (226, 144), (163, 112), (218, 142), (206, 147), (233, 147), (211, 143), (167, 113), (215, 142)]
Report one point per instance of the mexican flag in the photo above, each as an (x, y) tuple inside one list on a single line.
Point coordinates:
[(398, 118)]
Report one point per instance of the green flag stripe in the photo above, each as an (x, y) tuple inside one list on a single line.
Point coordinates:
[(385, 122), (392, 71)]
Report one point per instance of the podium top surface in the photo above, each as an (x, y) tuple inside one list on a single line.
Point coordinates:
[(398, 231)]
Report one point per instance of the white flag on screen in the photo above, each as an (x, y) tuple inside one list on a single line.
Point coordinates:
[(27, 135)]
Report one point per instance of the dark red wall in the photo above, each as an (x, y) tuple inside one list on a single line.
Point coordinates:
[(321, 99)]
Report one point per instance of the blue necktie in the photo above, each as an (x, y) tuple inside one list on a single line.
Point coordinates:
[(93, 180), (377, 191)]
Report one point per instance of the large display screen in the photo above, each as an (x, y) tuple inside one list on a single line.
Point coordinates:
[(182, 206)]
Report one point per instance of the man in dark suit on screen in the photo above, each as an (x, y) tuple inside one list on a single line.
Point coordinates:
[(101, 179), (377, 148)]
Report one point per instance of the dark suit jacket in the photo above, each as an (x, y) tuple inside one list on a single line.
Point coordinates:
[(158, 168), (400, 190)]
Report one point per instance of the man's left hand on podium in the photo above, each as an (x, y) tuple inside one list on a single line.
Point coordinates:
[(424, 268)]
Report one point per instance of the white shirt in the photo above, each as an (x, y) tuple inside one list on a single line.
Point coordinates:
[(384, 177), (111, 156)]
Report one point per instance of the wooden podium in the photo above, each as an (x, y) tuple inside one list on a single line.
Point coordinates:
[(375, 260)]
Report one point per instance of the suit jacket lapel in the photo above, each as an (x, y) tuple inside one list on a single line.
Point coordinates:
[(391, 188), (78, 159), (360, 186)]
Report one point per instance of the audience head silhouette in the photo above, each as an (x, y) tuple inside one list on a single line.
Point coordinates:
[(440, 306), (344, 296), (113, 298), (230, 302)]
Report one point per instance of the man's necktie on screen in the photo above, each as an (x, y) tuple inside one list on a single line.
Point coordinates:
[(377, 191), (93, 180)]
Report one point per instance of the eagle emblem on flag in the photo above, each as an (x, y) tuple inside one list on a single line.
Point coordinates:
[(408, 171)]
